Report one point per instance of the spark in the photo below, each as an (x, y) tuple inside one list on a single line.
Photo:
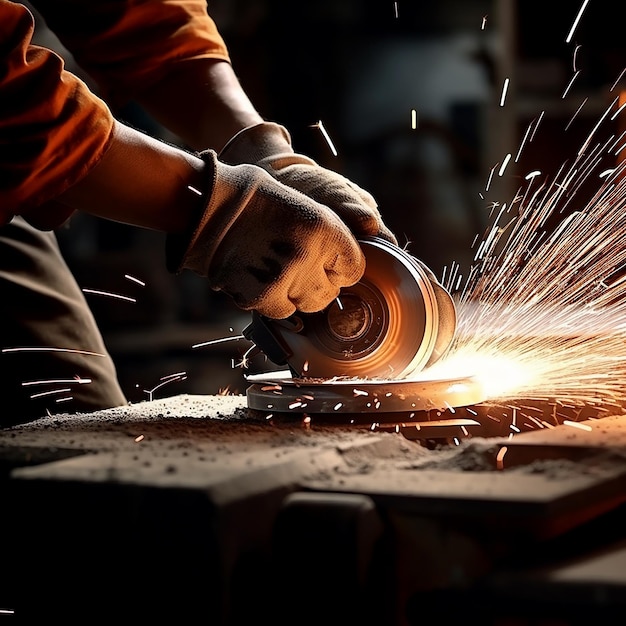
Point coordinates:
[(621, 108), (568, 39), (505, 88), (395, 9), (196, 191), (507, 158), (569, 85), (135, 280), (413, 119), (49, 349), (213, 342), (617, 79), (109, 294), (523, 142), (578, 110), (600, 121), (500, 457), (537, 125), (139, 438), (490, 178), (326, 136), (575, 57), (271, 388), (577, 425), (165, 380), (56, 381), (50, 393), (245, 359), (542, 314), (483, 23)]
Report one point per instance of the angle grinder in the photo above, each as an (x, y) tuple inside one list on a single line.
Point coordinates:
[(396, 320), (394, 323)]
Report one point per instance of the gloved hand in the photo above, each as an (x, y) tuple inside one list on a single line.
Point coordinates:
[(268, 246), (268, 145)]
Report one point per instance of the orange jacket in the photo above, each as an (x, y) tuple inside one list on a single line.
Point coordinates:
[(53, 128)]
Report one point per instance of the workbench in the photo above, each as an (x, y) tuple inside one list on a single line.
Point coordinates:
[(192, 509)]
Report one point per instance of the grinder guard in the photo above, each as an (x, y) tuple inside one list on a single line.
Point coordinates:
[(395, 321)]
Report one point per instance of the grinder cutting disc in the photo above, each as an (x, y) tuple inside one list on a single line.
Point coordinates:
[(395, 321)]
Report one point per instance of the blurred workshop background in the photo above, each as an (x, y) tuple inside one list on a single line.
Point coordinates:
[(409, 93)]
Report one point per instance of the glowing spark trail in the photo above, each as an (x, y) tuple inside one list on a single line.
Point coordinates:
[(327, 137), (55, 381), (213, 342), (48, 349), (166, 380), (543, 312), (575, 24), (135, 280), (505, 88), (109, 294)]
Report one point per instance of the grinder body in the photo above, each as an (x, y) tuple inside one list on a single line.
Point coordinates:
[(395, 321)]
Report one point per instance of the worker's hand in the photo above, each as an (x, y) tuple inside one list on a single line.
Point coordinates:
[(268, 145), (270, 247)]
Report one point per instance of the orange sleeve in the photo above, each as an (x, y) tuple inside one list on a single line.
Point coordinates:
[(52, 128), (127, 45)]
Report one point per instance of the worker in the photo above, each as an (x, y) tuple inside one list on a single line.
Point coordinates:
[(264, 224)]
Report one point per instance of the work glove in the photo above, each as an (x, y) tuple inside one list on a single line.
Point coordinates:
[(268, 145), (268, 246)]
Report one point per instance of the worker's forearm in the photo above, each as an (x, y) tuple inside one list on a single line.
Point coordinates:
[(202, 102), (142, 181)]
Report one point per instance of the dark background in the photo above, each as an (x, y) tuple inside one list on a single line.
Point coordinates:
[(361, 67)]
